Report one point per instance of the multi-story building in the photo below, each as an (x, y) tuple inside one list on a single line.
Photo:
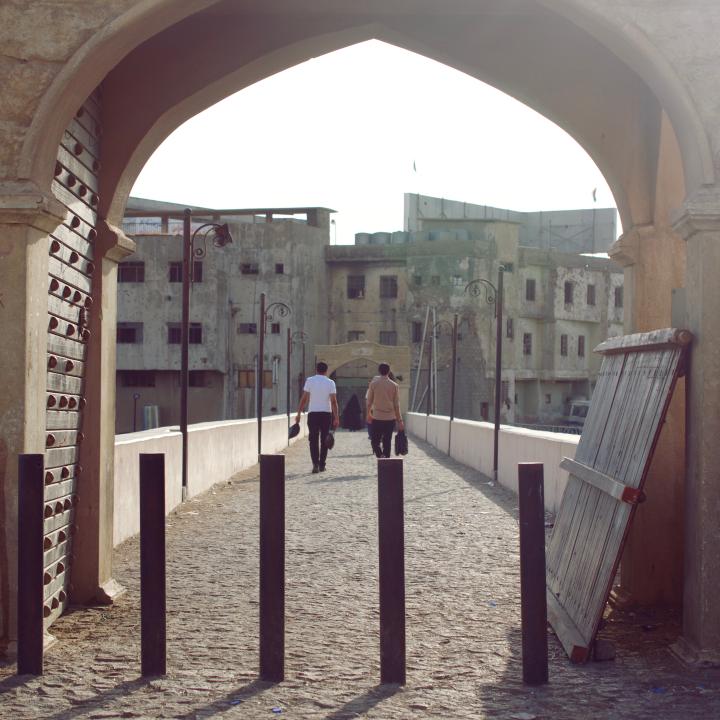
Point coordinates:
[(389, 289)]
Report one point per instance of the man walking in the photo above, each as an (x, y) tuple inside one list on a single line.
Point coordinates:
[(320, 395), (383, 409)]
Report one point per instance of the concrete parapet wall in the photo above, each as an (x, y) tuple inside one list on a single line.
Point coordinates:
[(471, 443), (216, 451)]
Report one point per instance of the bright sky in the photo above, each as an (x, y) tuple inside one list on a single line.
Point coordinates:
[(344, 131)]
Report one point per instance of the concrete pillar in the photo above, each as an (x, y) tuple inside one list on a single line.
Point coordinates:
[(92, 564), (699, 224), (26, 218), (652, 563)]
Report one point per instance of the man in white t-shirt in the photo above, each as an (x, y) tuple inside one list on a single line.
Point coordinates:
[(320, 395)]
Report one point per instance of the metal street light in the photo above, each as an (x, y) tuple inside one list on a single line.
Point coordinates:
[(301, 337), (279, 309), (493, 296), (220, 237)]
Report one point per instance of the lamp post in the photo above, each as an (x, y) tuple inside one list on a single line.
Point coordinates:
[(300, 336), (493, 296), (136, 397), (221, 237), (266, 313), (436, 331)]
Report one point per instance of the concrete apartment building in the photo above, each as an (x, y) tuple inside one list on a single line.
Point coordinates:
[(388, 289), (274, 251), (558, 304)]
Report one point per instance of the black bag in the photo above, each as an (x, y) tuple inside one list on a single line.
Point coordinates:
[(401, 443), (294, 430), (330, 440)]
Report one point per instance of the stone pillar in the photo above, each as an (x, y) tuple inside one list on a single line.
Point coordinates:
[(92, 565), (26, 217), (699, 224), (651, 567)]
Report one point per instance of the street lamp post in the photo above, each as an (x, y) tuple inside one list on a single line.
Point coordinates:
[(493, 296), (300, 336), (266, 313), (220, 238)]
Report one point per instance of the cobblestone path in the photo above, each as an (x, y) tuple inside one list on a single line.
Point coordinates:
[(463, 608)]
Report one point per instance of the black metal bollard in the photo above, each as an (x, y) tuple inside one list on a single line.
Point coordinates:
[(272, 567), (30, 565), (532, 573), (152, 564), (391, 542)]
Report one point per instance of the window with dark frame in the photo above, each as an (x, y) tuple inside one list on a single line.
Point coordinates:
[(388, 286), (247, 329), (564, 345), (175, 334), (175, 271), (249, 268), (527, 343), (619, 297), (417, 280), (129, 333), (356, 287), (279, 268), (417, 328), (246, 378), (131, 272), (591, 295), (388, 337), (275, 328), (569, 292), (548, 398), (581, 346), (354, 335), (508, 267), (509, 329), (530, 289), (198, 378), (137, 378)]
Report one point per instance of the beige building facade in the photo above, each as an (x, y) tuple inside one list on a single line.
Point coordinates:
[(635, 83)]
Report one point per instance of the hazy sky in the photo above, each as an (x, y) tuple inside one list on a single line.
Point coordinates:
[(346, 131)]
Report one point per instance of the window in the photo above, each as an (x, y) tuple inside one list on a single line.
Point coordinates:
[(530, 289), (249, 268), (564, 345), (435, 280), (198, 378), (356, 287), (388, 337), (591, 295), (131, 333), (581, 346), (618, 297), (417, 280), (388, 286), (527, 343), (548, 398), (416, 331), (247, 329), (569, 292), (458, 281), (175, 270), (484, 411), (131, 272), (275, 328), (175, 334), (246, 378), (505, 391), (137, 378), (508, 266), (509, 330), (279, 268), (354, 335)]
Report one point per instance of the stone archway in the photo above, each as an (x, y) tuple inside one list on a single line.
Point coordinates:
[(619, 79), (397, 356)]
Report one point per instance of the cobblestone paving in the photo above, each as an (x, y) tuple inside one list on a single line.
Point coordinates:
[(463, 607)]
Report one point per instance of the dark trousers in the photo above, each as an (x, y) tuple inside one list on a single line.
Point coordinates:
[(381, 433), (318, 428)]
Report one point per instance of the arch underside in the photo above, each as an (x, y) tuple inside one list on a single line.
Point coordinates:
[(529, 50)]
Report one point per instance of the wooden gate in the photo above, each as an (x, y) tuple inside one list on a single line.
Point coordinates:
[(71, 269), (632, 394)]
